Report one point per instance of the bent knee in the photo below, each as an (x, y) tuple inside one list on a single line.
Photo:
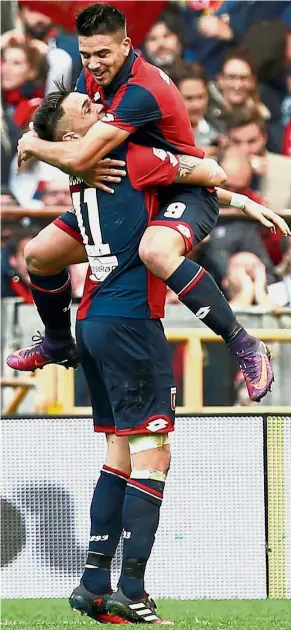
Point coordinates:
[(32, 256), (41, 257), (159, 246)]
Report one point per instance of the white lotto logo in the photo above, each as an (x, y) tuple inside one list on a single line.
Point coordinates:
[(163, 155), (157, 425), (99, 538), (108, 118), (164, 76), (160, 153), (184, 230), (203, 311)]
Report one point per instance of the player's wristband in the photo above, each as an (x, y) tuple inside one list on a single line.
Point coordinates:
[(238, 201)]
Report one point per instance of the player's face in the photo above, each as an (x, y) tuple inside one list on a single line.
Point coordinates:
[(162, 46), (249, 139), (104, 55), (80, 113), (236, 81), (195, 96)]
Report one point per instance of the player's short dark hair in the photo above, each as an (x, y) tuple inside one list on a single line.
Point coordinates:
[(245, 116), (50, 112), (192, 71), (100, 19)]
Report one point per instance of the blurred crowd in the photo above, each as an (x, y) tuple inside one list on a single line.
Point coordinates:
[(231, 61)]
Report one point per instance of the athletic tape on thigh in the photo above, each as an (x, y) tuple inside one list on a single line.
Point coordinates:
[(139, 443), (157, 475)]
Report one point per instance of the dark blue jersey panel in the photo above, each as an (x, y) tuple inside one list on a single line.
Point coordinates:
[(138, 106), (81, 83)]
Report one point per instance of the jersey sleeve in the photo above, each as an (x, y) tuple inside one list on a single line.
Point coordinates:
[(132, 107), (150, 167)]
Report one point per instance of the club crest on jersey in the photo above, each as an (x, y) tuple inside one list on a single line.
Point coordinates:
[(96, 97), (173, 398)]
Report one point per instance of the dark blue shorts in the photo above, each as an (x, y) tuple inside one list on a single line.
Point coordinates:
[(69, 224), (193, 212), (128, 369)]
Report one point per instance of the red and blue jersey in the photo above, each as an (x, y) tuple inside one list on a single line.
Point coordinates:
[(144, 101), (111, 227)]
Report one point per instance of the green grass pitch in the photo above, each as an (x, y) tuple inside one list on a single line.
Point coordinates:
[(54, 614)]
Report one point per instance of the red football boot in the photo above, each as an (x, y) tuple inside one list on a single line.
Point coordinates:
[(38, 355)]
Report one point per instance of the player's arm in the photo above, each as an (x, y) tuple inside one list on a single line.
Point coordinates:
[(75, 156), (255, 210), (132, 107), (199, 171)]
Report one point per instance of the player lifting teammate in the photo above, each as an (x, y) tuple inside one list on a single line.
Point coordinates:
[(115, 350), (141, 100), (129, 580)]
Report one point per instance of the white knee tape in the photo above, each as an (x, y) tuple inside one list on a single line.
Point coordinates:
[(139, 443)]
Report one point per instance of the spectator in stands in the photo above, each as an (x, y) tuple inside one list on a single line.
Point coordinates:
[(235, 87), (191, 82), (10, 135), (30, 183), (210, 28), (163, 45), (23, 75), (232, 236), (271, 172), (246, 280), (55, 192), (61, 50)]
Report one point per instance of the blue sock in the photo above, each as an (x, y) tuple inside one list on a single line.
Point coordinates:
[(52, 297), (141, 513), (106, 528), (196, 288)]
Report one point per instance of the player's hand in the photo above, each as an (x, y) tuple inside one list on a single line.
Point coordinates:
[(267, 217), (24, 147), (105, 171)]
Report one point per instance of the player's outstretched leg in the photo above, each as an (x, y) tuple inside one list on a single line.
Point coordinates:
[(141, 512), (196, 289), (47, 256), (162, 251), (91, 596), (52, 297)]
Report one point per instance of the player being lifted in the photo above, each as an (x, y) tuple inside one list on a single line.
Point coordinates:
[(124, 352), (141, 101)]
